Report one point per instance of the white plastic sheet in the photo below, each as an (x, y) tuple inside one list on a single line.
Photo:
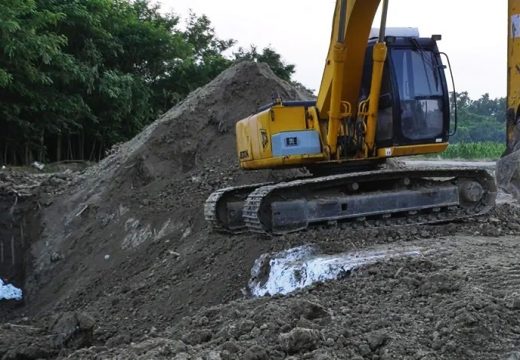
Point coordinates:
[(9, 292), (296, 268)]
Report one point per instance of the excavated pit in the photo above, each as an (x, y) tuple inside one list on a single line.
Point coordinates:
[(12, 239), (24, 196), (19, 227)]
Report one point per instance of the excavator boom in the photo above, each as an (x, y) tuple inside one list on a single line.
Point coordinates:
[(508, 167)]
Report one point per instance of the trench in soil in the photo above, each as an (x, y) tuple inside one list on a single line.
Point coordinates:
[(19, 226)]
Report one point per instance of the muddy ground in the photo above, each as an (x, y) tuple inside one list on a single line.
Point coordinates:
[(121, 264)]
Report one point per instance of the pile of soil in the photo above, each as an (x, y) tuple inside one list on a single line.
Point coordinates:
[(127, 241), (123, 253)]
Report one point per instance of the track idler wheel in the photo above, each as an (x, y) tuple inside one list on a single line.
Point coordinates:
[(470, 191)]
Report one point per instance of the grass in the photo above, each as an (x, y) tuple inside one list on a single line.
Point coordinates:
[(473, 151)]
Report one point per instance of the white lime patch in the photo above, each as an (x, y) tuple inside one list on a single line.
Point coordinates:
[(289, 270), (9, 292)]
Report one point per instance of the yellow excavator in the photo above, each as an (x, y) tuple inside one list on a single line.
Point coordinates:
[(380, 97)]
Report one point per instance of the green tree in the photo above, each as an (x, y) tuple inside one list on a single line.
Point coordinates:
[(268, 56), (481, 120), (78, 76), (203, 61), (32, 66)]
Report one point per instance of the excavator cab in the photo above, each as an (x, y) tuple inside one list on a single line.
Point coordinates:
[(414, 100)]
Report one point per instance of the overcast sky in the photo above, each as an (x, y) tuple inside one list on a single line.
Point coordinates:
[(474, 33)]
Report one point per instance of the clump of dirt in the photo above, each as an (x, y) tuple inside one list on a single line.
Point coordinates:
[(65, 332)]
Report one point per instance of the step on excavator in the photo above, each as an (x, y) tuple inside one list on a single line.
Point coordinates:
[(381, 97)]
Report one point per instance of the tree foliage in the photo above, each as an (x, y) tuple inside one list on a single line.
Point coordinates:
[(270, 57), (77, 76), (481, 120)]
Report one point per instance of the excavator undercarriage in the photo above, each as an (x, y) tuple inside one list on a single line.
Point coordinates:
[(373, 198)]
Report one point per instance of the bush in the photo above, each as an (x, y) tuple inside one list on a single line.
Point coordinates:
[(474, 151)]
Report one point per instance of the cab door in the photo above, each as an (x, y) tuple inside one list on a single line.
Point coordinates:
[(422, 105)]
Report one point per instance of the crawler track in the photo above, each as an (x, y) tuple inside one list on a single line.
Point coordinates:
[(365, 199), (223, 208)]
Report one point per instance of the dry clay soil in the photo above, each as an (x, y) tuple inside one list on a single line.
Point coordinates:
[(124, 266)]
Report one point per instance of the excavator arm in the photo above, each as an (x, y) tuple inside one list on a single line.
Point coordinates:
[(508, 167), (341, 79), (513, 77)]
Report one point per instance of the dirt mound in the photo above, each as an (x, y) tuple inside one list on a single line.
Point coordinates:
[(128, 243)]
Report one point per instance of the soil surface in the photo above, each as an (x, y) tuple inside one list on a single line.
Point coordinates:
[(120, 263)]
